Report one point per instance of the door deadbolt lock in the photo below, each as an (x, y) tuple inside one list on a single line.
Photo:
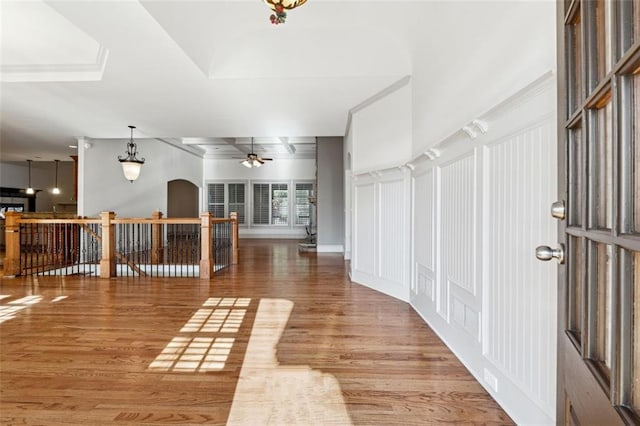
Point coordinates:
[(558, 210), (547, 253)]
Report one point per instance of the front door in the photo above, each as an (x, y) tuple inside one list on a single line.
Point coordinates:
[(599, 158)]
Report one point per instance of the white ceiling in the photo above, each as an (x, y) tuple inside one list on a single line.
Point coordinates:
[(211, 74)]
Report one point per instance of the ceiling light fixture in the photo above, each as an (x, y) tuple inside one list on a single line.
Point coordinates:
[(253, 160), (131, 165), (56, 190), (279, 7), (30, 190)]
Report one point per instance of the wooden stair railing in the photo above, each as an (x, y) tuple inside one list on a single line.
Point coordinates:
[(117, 254)]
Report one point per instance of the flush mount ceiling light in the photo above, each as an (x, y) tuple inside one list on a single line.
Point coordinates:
[(279, 7), (253, 160), (30, 190), (56, 190), (131, 165)]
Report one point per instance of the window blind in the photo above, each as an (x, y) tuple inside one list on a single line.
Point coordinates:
[(237, 200), (261, 202), (303, 206), (215, 199)]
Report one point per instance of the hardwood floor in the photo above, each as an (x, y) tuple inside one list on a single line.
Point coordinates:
[(282, 338)]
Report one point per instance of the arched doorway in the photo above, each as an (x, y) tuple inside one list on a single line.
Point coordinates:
[(182, 199)]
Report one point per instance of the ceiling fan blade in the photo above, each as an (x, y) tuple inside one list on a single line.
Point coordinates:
[(266, 159)]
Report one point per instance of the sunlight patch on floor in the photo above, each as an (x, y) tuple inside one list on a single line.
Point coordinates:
[(202, 353), (270, 394), (198, 354)]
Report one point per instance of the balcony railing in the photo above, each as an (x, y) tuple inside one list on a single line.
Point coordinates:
[(111, 247)]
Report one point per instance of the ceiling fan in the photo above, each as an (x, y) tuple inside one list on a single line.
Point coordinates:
[(253, 159)]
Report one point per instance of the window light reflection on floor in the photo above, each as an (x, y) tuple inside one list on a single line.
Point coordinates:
[(9, 310), (204, 353)]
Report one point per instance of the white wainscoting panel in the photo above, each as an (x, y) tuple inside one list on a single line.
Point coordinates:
[(458, 212), (365, 225), (480, 206), (424, 232), (391, 224), (381, 232), (521, 295)]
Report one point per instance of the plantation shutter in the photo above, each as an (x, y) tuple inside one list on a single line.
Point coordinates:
[(279, 204), (236, 200), (261, 202), (303, 206), (215, 204)]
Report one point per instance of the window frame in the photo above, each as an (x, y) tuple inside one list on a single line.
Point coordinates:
[(227, 209)]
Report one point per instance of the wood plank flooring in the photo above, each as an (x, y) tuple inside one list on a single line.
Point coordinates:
[(282, 338)]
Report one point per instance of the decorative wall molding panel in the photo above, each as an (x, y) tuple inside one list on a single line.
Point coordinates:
[(478, 213), (381, 247)]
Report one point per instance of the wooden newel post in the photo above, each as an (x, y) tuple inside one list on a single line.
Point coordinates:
[(157, 251), (206, 254), (234, 236), (12, 243), (108, 261)]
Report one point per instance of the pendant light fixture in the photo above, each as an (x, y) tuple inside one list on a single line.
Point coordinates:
[(30, 190), (131, 165), (279, 7), (56, 190)]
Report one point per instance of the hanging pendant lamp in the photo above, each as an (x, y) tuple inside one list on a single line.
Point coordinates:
[(131, 165), (30, 190), (56, 190)]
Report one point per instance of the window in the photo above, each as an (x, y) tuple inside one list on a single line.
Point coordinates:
[(304, 208), (270, 204), (224, 198), (216, 199), (236, 200)]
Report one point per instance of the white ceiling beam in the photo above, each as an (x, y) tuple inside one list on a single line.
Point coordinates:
[(285, 142), (233, 142)]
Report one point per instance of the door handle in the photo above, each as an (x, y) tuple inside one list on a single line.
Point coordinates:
[(547, 253), (558, 210)]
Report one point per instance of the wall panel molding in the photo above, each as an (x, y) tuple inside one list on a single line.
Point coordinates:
[(481, 208)]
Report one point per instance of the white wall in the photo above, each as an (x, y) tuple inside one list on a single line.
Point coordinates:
[(278, 170), (106, 189), (486, 62), (382, 132), (16, 175)]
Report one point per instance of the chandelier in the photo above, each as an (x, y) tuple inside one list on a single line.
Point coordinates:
[(131, 165), (280, 7)]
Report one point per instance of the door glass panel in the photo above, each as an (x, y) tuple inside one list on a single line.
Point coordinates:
[(636, 20), (604, 167), (575, 176), (603, 28), (635, 353), (604, 278), (574, 43), (575, 287), (636, 150)]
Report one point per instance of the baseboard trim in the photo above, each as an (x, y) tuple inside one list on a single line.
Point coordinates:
[(327, 248)]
